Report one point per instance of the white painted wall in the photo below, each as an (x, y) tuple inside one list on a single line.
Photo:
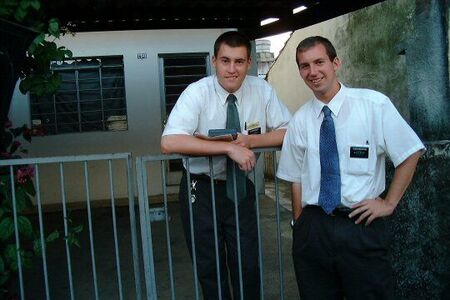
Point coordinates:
[(142, 84)]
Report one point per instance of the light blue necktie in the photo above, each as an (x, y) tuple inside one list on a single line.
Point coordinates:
[(233, 123), (330, 179)]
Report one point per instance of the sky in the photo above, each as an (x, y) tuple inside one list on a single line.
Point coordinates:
[(277, 42)]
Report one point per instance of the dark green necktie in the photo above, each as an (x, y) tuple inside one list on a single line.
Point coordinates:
[(233, 123)]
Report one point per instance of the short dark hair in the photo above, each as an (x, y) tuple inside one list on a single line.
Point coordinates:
[(233, 39), (311, 42)]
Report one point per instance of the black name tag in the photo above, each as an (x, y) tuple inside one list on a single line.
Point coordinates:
[(359, 152), (254, 131)]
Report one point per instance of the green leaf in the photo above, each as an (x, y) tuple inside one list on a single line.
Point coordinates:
[(20, 14), (52, 236), (25, 85), (36, 4), (27, 259), (36, 42), (22, 199), (37, 248), (53, 28), (78, 228), (10, 255), (29, 188), (25, 226), (6, 228)]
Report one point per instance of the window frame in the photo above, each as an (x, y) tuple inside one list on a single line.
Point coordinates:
[(81, 124)]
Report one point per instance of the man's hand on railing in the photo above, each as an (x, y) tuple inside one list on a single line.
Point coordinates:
[(243, 140), (244, 157)]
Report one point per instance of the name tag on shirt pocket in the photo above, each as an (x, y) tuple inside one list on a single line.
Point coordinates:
[(253, 127), (358, 159), (359, 152)]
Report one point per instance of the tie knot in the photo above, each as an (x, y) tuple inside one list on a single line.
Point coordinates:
[(231, 98), (326, 111)]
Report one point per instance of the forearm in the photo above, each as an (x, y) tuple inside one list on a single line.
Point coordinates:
[(296, 190), (269, 139), (403, 175), (191, 145)]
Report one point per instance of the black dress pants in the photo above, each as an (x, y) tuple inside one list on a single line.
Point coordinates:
[(227, 238), (336, 258)]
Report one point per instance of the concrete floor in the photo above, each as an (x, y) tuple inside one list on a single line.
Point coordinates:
[(107, 279)]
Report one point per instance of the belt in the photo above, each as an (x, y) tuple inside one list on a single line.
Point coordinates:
[(341, 211), (204, 177)]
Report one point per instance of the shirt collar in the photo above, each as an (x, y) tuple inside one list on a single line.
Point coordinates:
[(334, 104), (223, 94)]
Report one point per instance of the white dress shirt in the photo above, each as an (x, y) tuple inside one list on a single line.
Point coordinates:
[(202, 106), (366, 124)]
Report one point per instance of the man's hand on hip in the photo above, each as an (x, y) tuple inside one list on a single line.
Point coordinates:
[(370, 209)]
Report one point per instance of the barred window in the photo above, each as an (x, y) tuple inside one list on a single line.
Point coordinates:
[(91, 97), (178, 70)]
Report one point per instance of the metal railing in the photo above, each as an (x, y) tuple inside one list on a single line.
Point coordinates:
[(160, 282), (85, 160), (148, 239)]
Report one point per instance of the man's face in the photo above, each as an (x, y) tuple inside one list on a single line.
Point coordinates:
[(231, 65), (319, 72)]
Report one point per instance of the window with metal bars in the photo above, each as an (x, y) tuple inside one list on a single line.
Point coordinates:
[(177, 72), (91, 97)]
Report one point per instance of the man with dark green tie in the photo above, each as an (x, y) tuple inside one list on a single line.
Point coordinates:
[(231, 100)]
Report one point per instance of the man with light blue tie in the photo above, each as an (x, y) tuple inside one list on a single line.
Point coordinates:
[(334, 154)]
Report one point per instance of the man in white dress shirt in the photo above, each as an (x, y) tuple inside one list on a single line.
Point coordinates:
[(342, 251), (263, 122)]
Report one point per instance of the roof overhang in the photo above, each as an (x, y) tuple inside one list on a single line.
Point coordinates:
[(246, 15)]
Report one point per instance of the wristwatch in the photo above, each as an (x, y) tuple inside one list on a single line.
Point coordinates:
[(292, 223)]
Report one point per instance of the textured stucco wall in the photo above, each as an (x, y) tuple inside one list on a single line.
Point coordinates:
[(400, 48), (420, 229), (368, 43)]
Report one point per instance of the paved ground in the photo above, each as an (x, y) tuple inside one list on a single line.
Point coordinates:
[(183, 276)]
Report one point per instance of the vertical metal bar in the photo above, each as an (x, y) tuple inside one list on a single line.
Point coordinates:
[(41, 231), (54, 113), (216, 239), (169, 246), (238, 232), (191, 219), (91, 232), (146, 232), (101, 96), (116, 243), (150, 235), (77, 83), (16, 231), (134, 242), (66, 229), (258, 224), (280, 253)]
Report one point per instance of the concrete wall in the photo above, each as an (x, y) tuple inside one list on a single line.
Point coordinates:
[(367, 41), (399, 47), (143, 95)]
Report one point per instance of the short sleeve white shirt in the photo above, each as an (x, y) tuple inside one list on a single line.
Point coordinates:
[(202, 106), (363, 119)]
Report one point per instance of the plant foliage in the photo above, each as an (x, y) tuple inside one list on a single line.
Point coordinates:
[(16, 194), (36, 75)]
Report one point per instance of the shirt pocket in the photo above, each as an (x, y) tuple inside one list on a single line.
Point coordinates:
[(311, 170), (358, 159)]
